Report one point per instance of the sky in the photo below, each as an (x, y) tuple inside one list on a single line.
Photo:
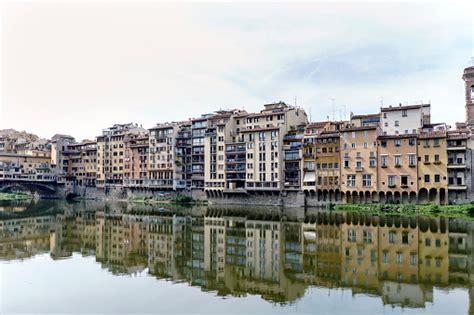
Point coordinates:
[(77, 67)]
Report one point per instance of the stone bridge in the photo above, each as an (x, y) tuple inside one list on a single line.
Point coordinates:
[(45, 189)]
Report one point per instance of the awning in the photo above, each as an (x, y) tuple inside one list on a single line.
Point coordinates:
[(309, 177)]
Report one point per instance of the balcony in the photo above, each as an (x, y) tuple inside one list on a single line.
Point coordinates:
[(235, 149), (457, 187), (437, 162), (411, 165), (457, 148), (398, 165), (235, 169), (359, 169), (457, 166)]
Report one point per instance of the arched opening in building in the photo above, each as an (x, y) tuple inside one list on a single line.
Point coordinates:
[(423, 196), (397, 197), (442, 196), (432, 195), (405, 198)]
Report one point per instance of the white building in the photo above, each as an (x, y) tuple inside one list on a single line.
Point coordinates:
[(407, 119)]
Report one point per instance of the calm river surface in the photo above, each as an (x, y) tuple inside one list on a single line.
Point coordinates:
[(57, 257)]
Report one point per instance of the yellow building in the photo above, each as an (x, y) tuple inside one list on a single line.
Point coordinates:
[(432, 167), (111, 152), (359, 164), (397, 168)]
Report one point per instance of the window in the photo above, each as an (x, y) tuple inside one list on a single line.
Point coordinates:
[(372, 162), (399, 258), (353, 145), (398, 142), (412, 160), (405, 238), (398, 160), (366, 180), (413, 259), (404, 113), (397, 123), (346, 163), (383, 160), (367, 237), (392, 237), (427, 158), (438, 242), (351, 235), (404, 180), (427, 242), (427, 178), (359, 165), (437, 178), (351, 180), (411, 141), (385, 257), (391, 180), (383, 143), (436, 142), (366, 145)]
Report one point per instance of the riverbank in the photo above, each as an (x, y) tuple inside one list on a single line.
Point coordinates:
[(452, 211), (14, 196)]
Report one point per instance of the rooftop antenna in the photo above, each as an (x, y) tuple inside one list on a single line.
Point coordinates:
[(381, 101), (295, 101), (333, 110), (344, 106), (309, 111)]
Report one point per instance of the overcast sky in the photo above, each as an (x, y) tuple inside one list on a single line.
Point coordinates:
[(78, 67)]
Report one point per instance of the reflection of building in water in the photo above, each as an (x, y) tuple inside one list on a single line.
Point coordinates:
[(359, 263), (398, 249), (433, 250), (120, 242), (400, 259), (25, 237)]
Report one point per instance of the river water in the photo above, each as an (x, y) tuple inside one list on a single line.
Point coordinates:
[(57, 257)]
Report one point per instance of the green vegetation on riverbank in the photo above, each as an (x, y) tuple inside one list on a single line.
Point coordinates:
[(14, 196), (177, 200), (459, 211)]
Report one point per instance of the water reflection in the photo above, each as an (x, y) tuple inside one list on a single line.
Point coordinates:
[(231, 252)]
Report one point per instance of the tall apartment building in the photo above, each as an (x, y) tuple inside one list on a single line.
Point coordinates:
[(432, 167), (263, 134), (292, 157), (459, 166), (136, 160), (359, 164), (404, 119), (217, 132), (163, 171), (83, 162), (184, 152), (328, 164), (397, 168), (59, 155), (111, 153), (319, 149), (198, 129)]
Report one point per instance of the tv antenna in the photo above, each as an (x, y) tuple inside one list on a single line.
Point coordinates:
[(333, 110)]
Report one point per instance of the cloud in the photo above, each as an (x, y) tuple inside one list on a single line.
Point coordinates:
[(78, 67)]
